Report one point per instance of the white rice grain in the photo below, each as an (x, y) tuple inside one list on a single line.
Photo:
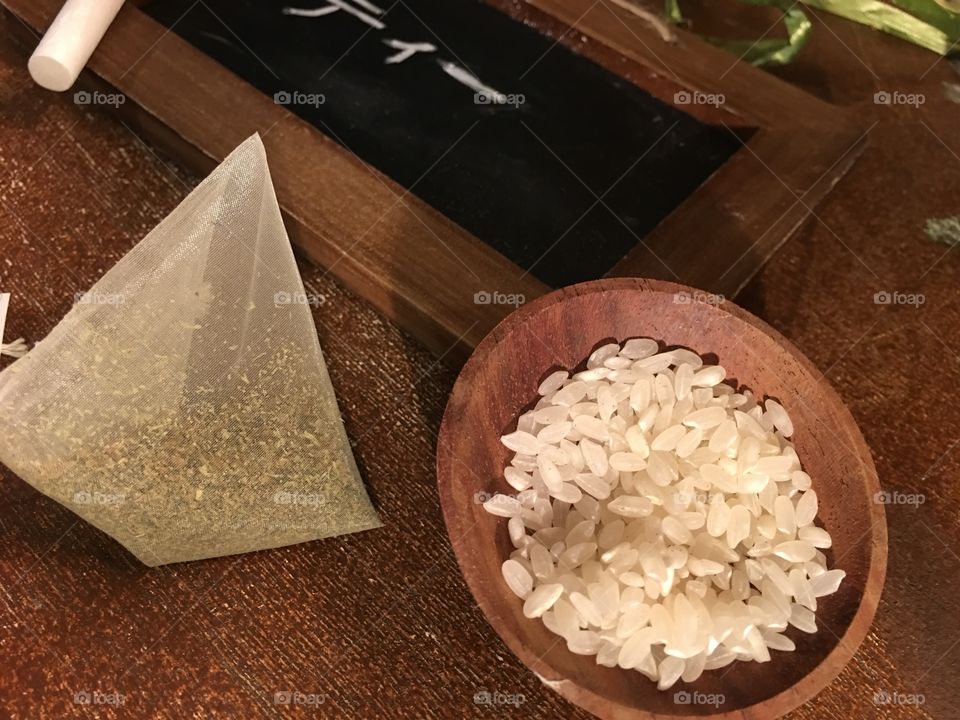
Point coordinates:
[(661, 520)]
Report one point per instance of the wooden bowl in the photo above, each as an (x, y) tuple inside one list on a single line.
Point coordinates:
[(560, 330)]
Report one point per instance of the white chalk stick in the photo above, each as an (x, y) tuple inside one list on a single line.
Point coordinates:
[(70, 41)]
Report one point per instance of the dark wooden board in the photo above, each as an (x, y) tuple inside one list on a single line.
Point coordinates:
[(417, 265)]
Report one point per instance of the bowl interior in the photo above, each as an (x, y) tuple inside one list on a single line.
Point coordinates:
[(560, 331)]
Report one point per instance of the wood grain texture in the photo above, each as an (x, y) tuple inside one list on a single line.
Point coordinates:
[(762, 99), (716, 242), (754, 202), (383, 623), (375, 236), (559, 331), (403, 255)]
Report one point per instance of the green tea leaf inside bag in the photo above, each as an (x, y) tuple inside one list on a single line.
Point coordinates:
[(183, 405)]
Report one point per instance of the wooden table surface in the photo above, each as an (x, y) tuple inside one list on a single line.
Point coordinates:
[(380, 624)]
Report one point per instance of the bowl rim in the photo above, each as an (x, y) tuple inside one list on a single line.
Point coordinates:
[(775, 706)]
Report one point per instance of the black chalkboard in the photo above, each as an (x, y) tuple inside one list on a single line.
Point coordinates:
[(563, 171)]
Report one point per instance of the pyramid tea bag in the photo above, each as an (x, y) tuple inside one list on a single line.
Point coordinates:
[(183, 405)]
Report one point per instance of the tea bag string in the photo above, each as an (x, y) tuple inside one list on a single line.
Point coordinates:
[(18, 348)]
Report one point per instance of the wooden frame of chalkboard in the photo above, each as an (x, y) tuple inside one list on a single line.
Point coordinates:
[(406, 257)]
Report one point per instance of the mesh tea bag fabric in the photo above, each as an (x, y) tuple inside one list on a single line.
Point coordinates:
[(183, 405)]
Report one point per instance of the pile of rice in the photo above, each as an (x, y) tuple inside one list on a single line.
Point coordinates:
[(662, 521)]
